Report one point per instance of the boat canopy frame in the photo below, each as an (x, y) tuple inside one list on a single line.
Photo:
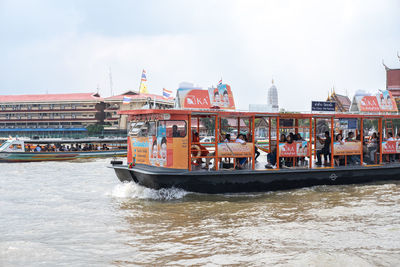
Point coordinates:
[(312, 118)]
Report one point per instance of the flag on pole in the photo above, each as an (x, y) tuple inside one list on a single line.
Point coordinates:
[(144, 79), (220, 82), (166, 93), (143, 84), (126, 100)]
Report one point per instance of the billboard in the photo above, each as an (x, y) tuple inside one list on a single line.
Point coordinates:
[(382, 102), (220, 97), (391, 147)]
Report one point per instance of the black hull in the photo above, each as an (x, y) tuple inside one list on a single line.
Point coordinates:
[(229, 181)]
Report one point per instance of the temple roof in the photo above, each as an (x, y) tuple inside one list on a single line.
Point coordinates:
[(343, 102)]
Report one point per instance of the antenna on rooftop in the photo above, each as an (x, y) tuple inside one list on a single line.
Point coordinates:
[(111, 83), (98, 88)]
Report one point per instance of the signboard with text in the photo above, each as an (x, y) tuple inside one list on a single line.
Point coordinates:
[(322, 106)]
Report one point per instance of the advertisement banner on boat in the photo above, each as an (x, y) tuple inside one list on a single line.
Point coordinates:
[(159, 151), (382, 102), (391, 147), (347, 148), (221, 97), (235, 150), (295, 149)]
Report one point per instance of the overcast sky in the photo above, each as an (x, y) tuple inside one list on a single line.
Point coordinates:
[(307, 47)]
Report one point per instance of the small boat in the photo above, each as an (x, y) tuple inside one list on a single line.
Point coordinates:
[(19, 150), (164, 150)]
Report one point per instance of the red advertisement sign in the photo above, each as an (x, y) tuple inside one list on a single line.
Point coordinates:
[(369, 104), (391, 147), (382, 102), (295, 149), (221, 97)]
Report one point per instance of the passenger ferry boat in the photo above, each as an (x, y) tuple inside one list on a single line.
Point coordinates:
[(19, 150), (164, 150)]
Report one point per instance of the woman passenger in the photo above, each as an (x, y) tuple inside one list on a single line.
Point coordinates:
[(338, 159)]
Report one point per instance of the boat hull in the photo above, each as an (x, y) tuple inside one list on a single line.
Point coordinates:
[(58, 156), (226, 181)]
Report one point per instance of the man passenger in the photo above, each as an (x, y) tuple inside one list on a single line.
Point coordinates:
[(325, 149)]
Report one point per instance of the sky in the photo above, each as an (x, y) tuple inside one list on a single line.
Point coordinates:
[(306, 47)]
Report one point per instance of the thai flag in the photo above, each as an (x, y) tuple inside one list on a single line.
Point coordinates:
[(126, 100), (220, 82), (166, 93), (144, 76)]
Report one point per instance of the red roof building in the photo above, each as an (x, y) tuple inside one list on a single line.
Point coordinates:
[(50, 112), (129, 101), (393, 81)]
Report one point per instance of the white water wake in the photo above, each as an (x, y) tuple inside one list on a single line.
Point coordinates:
[(133, 190)]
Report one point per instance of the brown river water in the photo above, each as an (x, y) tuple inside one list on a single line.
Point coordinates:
[(79, 214)]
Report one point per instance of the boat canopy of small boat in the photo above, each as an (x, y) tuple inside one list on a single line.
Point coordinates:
[(19, 150), (184, 148)]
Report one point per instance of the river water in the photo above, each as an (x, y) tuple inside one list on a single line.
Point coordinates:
[(79, 214)]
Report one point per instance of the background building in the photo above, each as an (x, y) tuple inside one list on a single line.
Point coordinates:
[(393, 82), (271, 103), (343, 102), (272, 100), (118, 123), (70, 115), (49, 114)]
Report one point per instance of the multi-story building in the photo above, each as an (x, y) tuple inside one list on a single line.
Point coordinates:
[(53, 115), (49, 113), (133, 100)]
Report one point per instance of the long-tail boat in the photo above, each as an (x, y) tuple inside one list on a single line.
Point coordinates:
[(20, 150)]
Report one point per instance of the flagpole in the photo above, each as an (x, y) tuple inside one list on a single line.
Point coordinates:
[(140, 84)]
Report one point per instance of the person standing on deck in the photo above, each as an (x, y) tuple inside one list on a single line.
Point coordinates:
[(241, 161), (325, 150)]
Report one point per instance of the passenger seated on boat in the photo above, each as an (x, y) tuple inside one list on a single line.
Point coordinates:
[(372, 147), (241, 161), (289, 161), (175, 132), (227, 138), (282, 139), (339, 159), (352, 159), (325, 149), (390, 138), (203, 150), (301, 160), (249, 138), (105, 147), (37, 149), (271, 158)]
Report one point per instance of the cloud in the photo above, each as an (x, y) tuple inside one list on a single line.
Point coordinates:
[(306, 47)]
